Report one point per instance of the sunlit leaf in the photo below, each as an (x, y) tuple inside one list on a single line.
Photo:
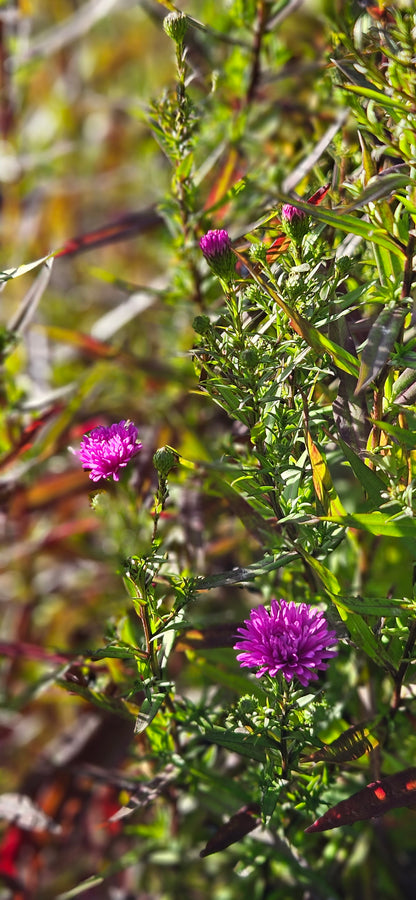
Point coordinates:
[(379, 345), (376, 606), (338, 218), (327, 578), (377, 523), (322, 480), (22, 270), (402, 436), (351, 744), (383, 99), (148, 710)]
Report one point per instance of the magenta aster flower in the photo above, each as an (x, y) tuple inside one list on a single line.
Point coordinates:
[(293, 639), (216, 247), (107, 450)]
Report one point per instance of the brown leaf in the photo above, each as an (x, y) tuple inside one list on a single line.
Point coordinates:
[(240, 824), (374, 800), (23, 812)]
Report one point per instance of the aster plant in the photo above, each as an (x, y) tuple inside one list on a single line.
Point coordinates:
[(282, 371)]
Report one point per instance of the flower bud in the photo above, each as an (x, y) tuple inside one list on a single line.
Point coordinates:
[(201, 324), (295, 222), (216, 247), (164, 460), (344, 265), (249, 358), (175, 26)]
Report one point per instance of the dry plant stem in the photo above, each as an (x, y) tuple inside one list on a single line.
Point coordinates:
[(408, 267), (402, 421), (188, 231), (377, 413), (395, 704), (260, 26)]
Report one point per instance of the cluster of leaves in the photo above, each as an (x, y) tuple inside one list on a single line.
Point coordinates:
[(286, 430)]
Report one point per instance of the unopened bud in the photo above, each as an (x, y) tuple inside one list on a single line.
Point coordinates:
[(249, 358), (175, 26), (201, 324), (216, 247), (164, 460), (295, 222)]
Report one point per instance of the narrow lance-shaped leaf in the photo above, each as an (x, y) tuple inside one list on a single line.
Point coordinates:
[(16, 272), (404, 388), (342, 219), (245, 744), (382, 98), (377, 606), (327, 578), (148, 710), (372, 484), (363, 636), (240, 824), (375, 799), (31, 300), (377, 523), (322, 480), (379, 345), (403, 436)]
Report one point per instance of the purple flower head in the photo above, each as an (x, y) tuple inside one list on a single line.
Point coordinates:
[(107, 450), (293, 639), (215, 242), (216, 247)]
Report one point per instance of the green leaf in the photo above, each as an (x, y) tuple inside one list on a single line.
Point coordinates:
[(148, 710), (232, 679), (322, 480), (403, 436), (383, 99), (112, 653), (242, 575), (337, 218), (328, 579), (251, 745), (377, 523), (86, 885), (376, 606), (363, 636), (404, 388)]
